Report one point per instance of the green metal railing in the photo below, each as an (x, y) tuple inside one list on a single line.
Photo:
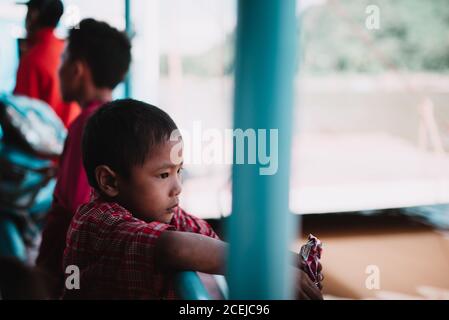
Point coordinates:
[(130, 33), (260, 225), (190, 287)]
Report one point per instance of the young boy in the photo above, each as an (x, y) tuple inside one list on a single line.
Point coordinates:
[(131, 239), (95, 61)]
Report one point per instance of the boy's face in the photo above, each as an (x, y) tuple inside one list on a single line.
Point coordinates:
[(151, 193), (31, 20), (69, 78)]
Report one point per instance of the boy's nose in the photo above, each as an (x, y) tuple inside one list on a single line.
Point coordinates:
[(176, 189)]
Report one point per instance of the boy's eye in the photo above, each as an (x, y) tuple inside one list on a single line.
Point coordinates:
[(163, 175), (180, 170)]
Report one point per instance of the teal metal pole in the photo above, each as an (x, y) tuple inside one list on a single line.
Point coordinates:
[(130, 33), (261, 226), (190, 287)]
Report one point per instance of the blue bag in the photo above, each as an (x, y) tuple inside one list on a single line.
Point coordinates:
[(31, 137)]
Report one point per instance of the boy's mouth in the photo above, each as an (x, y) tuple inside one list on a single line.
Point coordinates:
[(172, 208)]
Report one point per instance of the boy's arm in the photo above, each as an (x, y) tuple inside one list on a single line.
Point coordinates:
[(191, 251)]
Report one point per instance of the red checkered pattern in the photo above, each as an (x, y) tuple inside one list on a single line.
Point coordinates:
[(114, 252)]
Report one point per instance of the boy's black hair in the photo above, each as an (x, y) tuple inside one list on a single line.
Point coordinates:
[(121, 134), (50, 11), (106, 50)]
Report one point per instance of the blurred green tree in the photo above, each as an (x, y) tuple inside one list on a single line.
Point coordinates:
[(413, 35)]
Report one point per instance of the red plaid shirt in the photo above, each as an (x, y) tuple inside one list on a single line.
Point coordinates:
[(114, 252)]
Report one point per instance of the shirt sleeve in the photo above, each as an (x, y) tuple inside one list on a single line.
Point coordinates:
[(189, 223), (115, 249), (132, 242)]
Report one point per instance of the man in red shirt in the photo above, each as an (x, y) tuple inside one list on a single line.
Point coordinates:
[(95, 61), (37, 76), (129, 242)]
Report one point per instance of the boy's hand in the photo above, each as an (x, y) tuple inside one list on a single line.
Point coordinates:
[(305, 288), (303, 266)]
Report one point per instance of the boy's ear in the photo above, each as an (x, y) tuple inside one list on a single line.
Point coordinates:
[(106, 180), (79, 69)]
